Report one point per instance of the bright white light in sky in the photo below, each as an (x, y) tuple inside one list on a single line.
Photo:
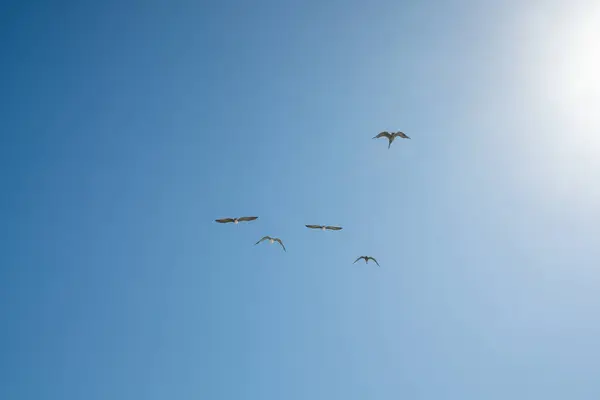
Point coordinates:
[(561, 65), (565, 50), (578, 71)]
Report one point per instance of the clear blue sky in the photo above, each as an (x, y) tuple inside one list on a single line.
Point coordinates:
[(126, 128)]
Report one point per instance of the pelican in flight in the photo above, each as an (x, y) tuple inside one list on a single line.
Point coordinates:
[(235, 220), (272, 240), (367, 258), (324, 227), (391, 136)]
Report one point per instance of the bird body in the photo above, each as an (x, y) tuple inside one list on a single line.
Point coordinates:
[(367, 258), (324, 227), (272, 240), (391, 136), (235, 220)]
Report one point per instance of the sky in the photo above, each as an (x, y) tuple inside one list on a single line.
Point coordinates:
[(127, 128)]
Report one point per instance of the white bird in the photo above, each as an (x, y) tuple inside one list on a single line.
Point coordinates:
[(367, 258), (391, 136), (235, 220), (272, 240), (324, 227)]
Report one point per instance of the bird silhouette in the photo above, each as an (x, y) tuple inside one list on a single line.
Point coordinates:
[(367, 258), (324, 227), (235, 220), (391, 136), (272, 240)]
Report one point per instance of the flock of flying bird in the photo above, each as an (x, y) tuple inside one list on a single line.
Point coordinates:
[(390, 136)]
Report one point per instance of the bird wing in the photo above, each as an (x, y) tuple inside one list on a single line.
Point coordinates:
[(281, 243), (371, 258), (224, 220), (334, 228), (382, 134), (247, 218), (264, 238), (401, 134), (358, 259), (313, 226)]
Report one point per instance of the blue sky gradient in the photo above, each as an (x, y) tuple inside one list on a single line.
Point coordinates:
[(127, 128)]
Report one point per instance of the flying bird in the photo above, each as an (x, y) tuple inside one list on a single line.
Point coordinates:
[(272, 240), (324, 227), (235, 220), (391, 136), (367, 258)]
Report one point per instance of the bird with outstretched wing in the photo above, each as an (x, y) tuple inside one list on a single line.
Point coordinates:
[(391, 136), (272, 240), (235, 220), (367, 258), (324, 227)]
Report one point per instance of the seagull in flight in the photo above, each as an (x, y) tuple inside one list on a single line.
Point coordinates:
[(272, 240), (324, 227), (367, 258), (391, 136), (235, 220)]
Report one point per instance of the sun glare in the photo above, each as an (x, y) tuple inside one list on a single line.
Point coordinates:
[(561, 65), (579, 70), (567, 66)]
